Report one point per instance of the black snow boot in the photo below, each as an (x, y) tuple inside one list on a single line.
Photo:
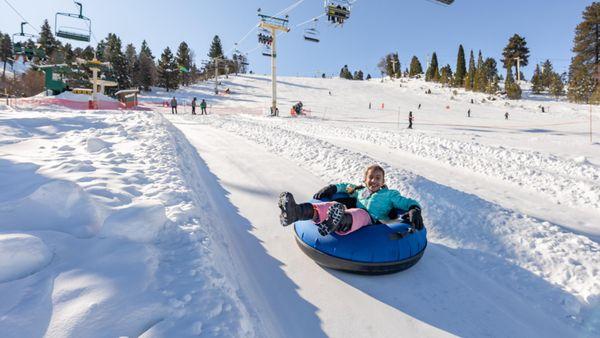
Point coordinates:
[(337, 220), (292, 212)]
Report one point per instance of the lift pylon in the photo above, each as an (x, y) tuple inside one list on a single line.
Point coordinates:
[(274, 25)]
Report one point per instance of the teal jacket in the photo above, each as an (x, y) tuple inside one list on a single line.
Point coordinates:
[(380, 203)]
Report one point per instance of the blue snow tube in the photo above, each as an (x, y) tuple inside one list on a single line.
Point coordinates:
[(373, 250)]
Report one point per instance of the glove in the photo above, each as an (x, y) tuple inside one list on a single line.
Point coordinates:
[(414, 217), (326, 193)]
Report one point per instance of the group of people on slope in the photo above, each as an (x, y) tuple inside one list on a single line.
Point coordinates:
[(202, 106)]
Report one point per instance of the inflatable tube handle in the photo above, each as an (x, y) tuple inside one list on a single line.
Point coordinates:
[(399, 235)]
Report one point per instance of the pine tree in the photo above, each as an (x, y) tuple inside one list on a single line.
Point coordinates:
[(147, 67), (69, 53), (557, 86), (132, 65), (513, 91), (479, 82), (47, 40), (345, 73), (546, 74), (368, 77), (537, 85), (114, 55), (184, 61), (415, 67), (144, 49), (101, 51), (6, 52), (393, 68), (446, 75), (461, 69), (516, 48), (470, 78), (584, 65), (168, 70), (216, 49), (87, 53), (389, 67), (433, 72), (359, 75)]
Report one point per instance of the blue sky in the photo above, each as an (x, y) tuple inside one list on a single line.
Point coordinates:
[(376, 27)]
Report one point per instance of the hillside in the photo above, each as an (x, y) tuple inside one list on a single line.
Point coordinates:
[(153, 224)]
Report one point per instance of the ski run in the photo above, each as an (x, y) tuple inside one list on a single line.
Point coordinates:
[(150, 224)]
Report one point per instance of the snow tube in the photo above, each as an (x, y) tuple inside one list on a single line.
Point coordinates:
[(373, 250)]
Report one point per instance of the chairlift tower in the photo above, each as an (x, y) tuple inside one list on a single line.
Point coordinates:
[(216, 62), (274, 25)]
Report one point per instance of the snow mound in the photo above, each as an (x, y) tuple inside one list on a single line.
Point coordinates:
[(57, 205), (94, 144), (141, 222), (22, 255), (83, 97)]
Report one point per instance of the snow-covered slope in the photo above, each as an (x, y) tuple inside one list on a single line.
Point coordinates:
[(136, 223)]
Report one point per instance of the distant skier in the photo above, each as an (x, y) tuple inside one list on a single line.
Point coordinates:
[(419, 107), (410, 120), (469, 113), (173, 105), (506, 116), (369, 105), (194, 106), (203, 107)]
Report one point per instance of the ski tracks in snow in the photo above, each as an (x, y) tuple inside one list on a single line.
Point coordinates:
[(530, 250)]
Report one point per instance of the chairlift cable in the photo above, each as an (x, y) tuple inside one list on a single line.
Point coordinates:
[(310, 20), (290, 8), (22, 17)]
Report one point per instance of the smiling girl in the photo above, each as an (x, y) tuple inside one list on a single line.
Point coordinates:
[(374, 202)]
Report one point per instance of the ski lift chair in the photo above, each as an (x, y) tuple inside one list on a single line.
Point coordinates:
[(338, 11), (20, 43), (267, 51), (73, 33)]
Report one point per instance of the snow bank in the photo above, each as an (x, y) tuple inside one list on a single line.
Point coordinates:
[(83, 97), (94, 144), (141, 222), (22, 255), (107, 192), (57, 205)]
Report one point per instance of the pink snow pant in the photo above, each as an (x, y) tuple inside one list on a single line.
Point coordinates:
[(360, 217)]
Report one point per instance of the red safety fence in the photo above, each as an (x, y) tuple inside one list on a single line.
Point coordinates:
[(32, 103)]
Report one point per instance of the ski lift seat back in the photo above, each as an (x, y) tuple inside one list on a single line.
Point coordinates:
[(82, 33), (311, 34)]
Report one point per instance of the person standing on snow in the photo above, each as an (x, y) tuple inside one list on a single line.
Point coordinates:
[(203, 107), (194, 106), (469, 113), (506, 116), (173, 105), (374, 202), (410, 120)]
